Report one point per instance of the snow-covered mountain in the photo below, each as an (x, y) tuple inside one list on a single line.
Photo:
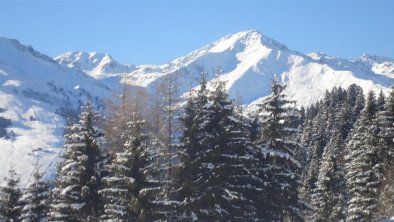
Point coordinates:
[(248, 61), (36, 93), (379, 65), (98, 65), (36, 90)]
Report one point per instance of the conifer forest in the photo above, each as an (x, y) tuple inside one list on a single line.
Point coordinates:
[(201, 156)]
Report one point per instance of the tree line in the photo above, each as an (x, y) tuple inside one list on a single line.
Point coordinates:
[(206, 159)]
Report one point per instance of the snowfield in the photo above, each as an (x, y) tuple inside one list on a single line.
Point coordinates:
[(36, 91)]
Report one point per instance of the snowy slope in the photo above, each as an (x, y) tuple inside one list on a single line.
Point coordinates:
[(35, 92)]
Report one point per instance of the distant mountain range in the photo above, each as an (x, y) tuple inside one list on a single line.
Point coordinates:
[(36, 90)]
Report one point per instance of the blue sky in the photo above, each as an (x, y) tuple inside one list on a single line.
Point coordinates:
[(157, 31)]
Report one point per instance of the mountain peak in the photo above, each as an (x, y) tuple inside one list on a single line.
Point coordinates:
[(248, 38), (94, 63), (249, 43), (74, 59)]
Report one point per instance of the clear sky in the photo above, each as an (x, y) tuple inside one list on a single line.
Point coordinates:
[(157, 31)]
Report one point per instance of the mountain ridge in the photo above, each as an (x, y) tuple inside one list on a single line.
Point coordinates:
[(98, 65), (250, 57)]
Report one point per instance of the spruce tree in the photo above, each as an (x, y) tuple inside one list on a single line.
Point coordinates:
[(195, 115), (10, 195), (36, 199), (381, 101), (338, 111), (385, 121), (344, 113), (280, 170), (215, 157), (357, 99), (76, 195), (311, 172), (364, 165), (315, 144), (231, 156), (255, 129), (328, 198), (126, 190)]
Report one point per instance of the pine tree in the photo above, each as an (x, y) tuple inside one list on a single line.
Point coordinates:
[(255, 129), (385, 122), (344, 113), (315, 143), (231, 158), (381, 101), (120, 184), (10, 195), (338, 111), (311, 172), (302, 115), (36, 199), (281, 170), (357, 100), (364, 166), (329, 193), (213, 176), (76, 194), (194, 116), (311, 152), (329, 196)]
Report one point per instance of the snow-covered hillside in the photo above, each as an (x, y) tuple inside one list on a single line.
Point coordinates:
[(35, 93), (35, 89)]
